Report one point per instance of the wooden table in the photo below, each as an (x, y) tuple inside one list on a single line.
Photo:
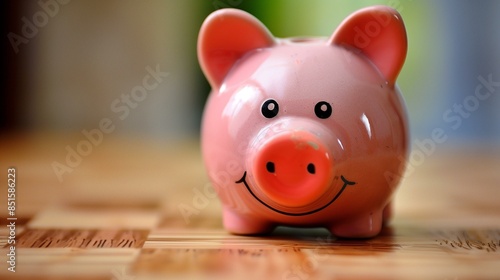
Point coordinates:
[(116, 216)]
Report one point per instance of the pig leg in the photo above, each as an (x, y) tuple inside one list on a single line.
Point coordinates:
[(244, 224), (363, 226)]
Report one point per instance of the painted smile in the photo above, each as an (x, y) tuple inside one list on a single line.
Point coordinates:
[(346, 183)]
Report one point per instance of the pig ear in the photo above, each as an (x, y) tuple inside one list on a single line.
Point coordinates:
[(225, 36), (379, 33)]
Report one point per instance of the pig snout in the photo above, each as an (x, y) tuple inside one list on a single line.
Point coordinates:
[(294, 168)]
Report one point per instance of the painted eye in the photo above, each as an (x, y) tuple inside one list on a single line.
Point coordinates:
[(270, 108), (323, 110)]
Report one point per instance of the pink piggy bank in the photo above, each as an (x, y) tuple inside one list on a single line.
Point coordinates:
[(304, 132)]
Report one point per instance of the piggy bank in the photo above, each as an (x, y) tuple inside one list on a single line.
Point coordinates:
[(304, 132)]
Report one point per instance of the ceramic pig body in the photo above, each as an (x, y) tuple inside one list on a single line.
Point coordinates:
[(304, 132)]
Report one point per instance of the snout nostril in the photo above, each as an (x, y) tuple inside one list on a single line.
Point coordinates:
[(311, 168), (270, 166)]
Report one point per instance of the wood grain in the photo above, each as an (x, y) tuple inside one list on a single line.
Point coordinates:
[(117, 216), (82, 238)]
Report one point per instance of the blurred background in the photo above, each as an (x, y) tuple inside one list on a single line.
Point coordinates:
[(66, 63), (69, 65)]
